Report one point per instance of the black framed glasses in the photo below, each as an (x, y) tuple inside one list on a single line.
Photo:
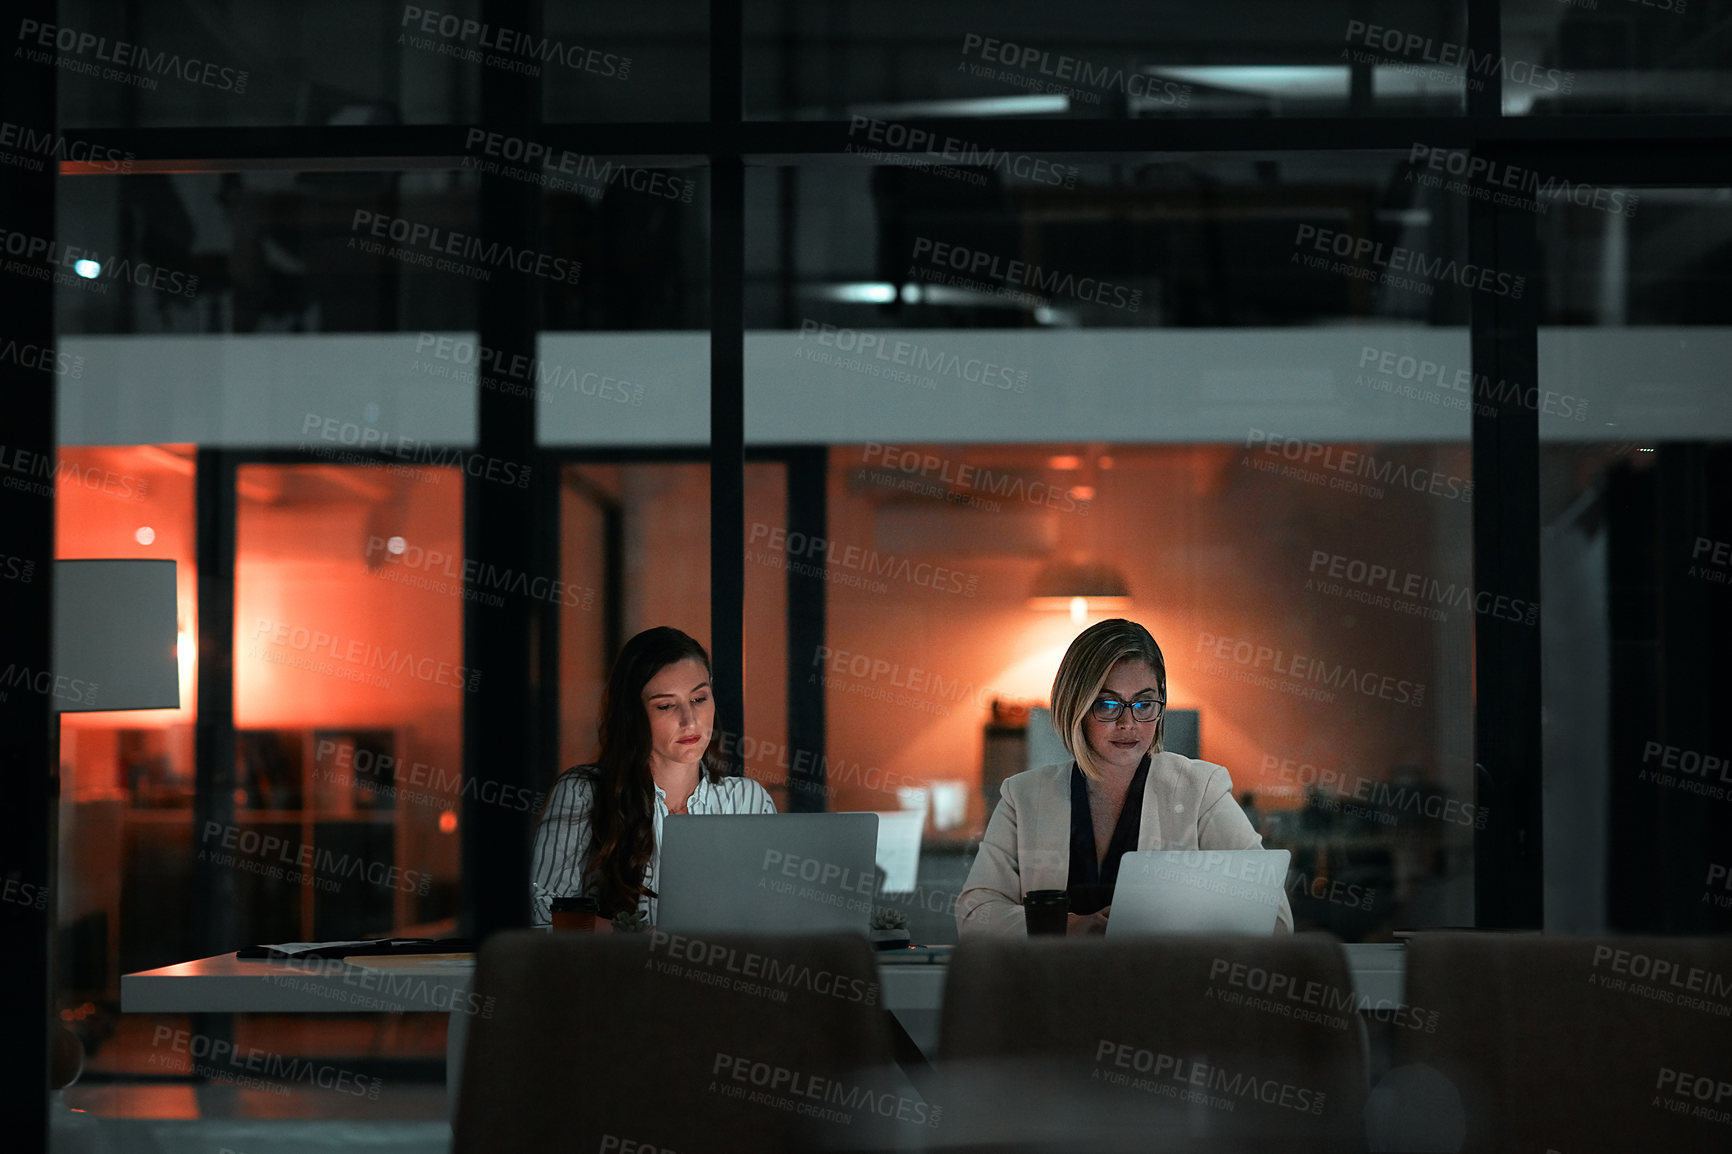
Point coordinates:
[(1111, 709)]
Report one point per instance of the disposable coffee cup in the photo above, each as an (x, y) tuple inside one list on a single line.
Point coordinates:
[(1046, 911), (577, 914)]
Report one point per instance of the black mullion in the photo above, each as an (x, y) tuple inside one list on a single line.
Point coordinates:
[(1485, 39), (727, 449), (782, 142), (808, 513), (502, 722), (1508, 865), (1360, 95), (727, 375), (550, 549), (29, 756), (216, 515), (395, 147), (1655, 163)]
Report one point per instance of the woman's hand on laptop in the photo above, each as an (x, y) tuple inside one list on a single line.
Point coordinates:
[(1095, 923)]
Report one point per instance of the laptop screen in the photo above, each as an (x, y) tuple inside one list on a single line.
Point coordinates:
[(775, 873), (1198, 892)]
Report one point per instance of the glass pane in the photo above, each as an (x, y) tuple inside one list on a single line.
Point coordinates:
[(1615, 256), (349, 678), (638, 62), (623, 358), (231, 311), (1599, 56), (639, 236), (644, 530), (622, 246), (366, 62), (124, 899), (1635, 568), (1261, 439), (273, 253), (1294, 239), (876, 63), (349, 301)]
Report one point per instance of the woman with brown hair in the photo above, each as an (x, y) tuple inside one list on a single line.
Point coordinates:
[(1066, 827), (600, 835)]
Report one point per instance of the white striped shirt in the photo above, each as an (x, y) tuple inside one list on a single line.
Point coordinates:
[(562, 839)]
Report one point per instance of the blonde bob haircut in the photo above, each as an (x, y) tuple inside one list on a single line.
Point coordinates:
[(1085, 668)]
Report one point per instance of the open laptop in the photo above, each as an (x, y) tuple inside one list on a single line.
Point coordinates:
[(768, 872), (1192, 891)]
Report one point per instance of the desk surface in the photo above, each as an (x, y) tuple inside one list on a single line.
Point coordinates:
[(912, 980)]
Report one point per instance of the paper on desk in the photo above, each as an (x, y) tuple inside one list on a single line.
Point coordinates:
[(899, 849)]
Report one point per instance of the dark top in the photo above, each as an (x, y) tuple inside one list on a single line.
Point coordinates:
[(1091, 883)]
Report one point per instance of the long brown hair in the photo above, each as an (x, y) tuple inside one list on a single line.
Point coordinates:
[(622, 805)]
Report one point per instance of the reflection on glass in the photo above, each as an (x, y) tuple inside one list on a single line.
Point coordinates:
[(860, 61), (345, 252), (1584, 56), (369, 63), (348, 695), (1637, 577), (1295, 239), (1284, 498), (123, 891), (1636, 558), (644, 62), (1613, 256), (123, 899), (634, 541), (274, 252), (635, 551)]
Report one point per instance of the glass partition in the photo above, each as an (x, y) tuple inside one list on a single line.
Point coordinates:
[(127, 778), (992, 396), (374, 63), (865, 62), (1635, 565), (1252, 381), (1594, 56)]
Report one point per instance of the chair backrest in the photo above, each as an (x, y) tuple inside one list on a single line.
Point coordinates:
[(657, 1041), (1195, 1043), (1567, 1043)]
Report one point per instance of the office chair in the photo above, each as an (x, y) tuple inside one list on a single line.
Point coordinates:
[(1182, 1043), (1563, 1044), (657, 1042)]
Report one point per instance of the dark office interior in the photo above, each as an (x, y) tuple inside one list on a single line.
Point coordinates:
[(1368, 355)]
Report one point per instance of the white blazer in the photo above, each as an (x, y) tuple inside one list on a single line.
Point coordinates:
[(1187, 804)]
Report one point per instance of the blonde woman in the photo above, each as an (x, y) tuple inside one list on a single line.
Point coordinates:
[(1065, 827)]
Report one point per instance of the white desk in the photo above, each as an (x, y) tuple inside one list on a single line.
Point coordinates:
[(911, 987), (910, 982), (225, 984)]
